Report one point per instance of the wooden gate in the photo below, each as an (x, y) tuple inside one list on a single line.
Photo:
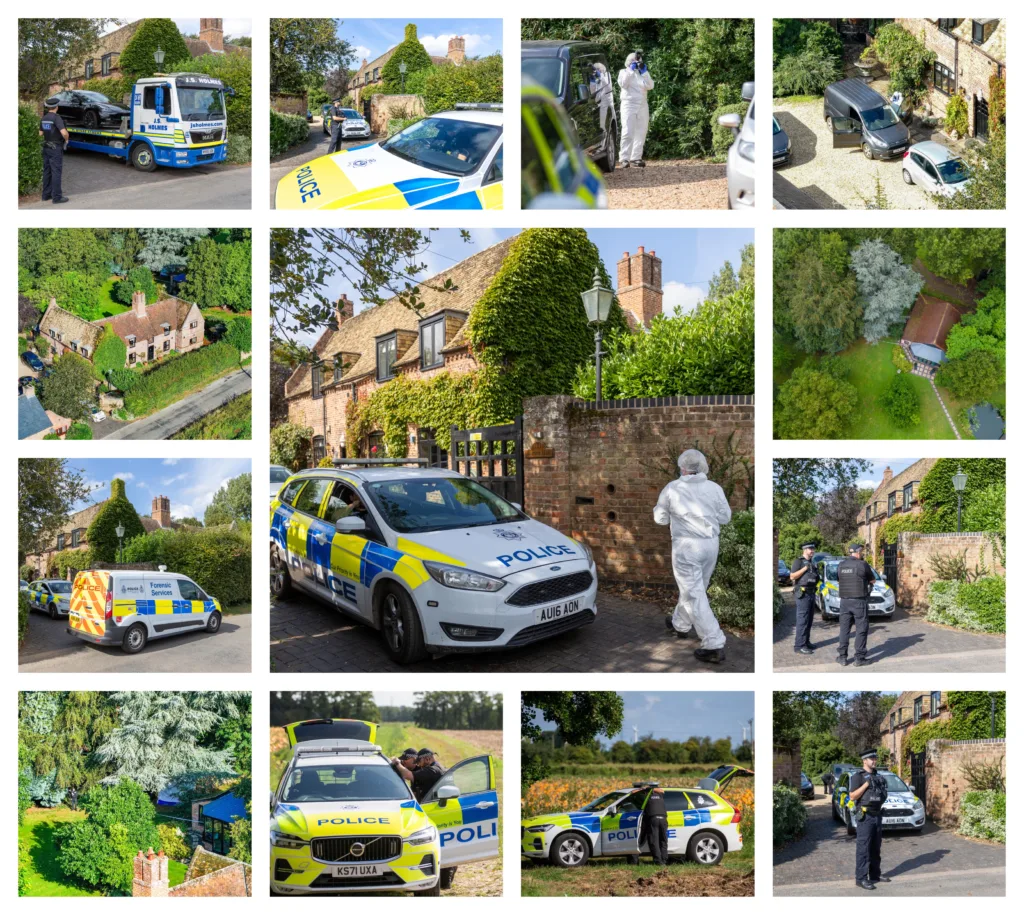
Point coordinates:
[(980, 118), (890, 565), (492, 456), (918, 775)]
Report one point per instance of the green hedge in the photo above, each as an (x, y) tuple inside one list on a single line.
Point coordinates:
[(79, 432), (286, 130), (978, 606), (30, 150), (983, 815), (22, 615), (176, 377), (474, 81), (722, 137), (731, 590), (789, 816)]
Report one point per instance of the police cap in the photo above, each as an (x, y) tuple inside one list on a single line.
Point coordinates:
[(869, 754), (808, 546), (408, 752), (425, 752), (856, 547), (52, 102)]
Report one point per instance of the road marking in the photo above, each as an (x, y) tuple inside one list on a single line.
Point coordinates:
[(905, 662), (901, 878)]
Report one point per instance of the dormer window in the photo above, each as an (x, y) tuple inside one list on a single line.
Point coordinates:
[(105, 65), (339, 367), (167, 328), (908, 496), (947, 25), (89, 68), (892, 503), (432, 342), (131, 341), (85, 352), (76, 536), (387, 355), (60, 541)]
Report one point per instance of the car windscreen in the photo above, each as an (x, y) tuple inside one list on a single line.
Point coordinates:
[(279, 474), (326, 782), (350, 113), (775, 127), (200, 104), (953, 171), (549, 72), (60, 587), (448, 145), (441, 504), (894, 783), (605, 800), (879, 118), (831, 573), (95, 97), (331, 730)]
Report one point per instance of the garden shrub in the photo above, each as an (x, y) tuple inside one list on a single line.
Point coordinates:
[(136, 60), (956, 115), (111, 352), (43, 789), (289, 444), (30, 150), (906, 58), (79, 432), (61, 563), (124, 379), (983, 815), (978, 606), (731, 590), (23, 611), (172, 842), (410, 52), (27, 572), (239, 149), (900, 360), (235, 71), (474, 81), (902, 403), (42, 346), (239, 334), (807, 72), (139, 279), (722, 137), (789, 816), (102, 532), (171, 379), (286, 130)]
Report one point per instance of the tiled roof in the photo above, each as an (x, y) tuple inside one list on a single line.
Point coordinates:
[(931, 320), (69, 326), (32, 418), (166, 311)]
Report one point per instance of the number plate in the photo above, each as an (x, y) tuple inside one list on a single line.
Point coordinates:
[(207, 152), (899, 149), (356, 870), (557, 611), (895, 821)]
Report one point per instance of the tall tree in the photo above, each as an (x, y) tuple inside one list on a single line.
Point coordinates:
[(838, 510), (48, 490), (886, 285), (301, 52), (746, 274), (798, 483), (46, 45), (821, 302), (797, 712), (813, 404), (232, 502), (81, 723), (163, 246), (102, 533), (859, 718), (960, 254), (722, 283)]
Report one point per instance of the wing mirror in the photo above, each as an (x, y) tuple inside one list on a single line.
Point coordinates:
[(350, 524), (271, 801), (447, 793), (730, 122)]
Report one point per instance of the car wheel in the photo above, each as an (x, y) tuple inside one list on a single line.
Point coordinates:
[(280, 577), (569, 850), (851, 829), (142, 157), (400, 626), (705, 848), (135, 639), (447, 877), (866, 149), (213, 623), (52, 610), (92, 120), (607, 163), (435, 890), (906, 177)]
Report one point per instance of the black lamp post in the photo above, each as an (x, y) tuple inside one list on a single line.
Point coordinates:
[(959, 484), (402, 68), (119, 530), (158, 56), (597, 300)]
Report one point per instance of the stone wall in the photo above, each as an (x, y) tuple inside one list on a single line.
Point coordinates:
[(290, 103), (945, 780), (915, 553), (385, 107), (595, 471), (786, 766)]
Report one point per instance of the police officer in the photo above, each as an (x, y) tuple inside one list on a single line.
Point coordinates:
[(868, 792), (855, 582), (337, 115), (656, 826), (805, 580), (55, 135), (828, 781), (406, 761)]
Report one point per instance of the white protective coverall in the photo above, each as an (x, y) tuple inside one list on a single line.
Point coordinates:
[(634, 113), (696, 508)]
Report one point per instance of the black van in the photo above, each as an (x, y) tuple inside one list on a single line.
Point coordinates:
[(577, 74), (859, 116)]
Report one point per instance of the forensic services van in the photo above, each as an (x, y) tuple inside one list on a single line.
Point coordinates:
[(430, 558), (702, 825), (342, 820), (130, 608)]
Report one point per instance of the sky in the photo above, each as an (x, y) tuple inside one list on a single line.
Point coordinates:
[(235, 27), (372, 37), (689, 257), (394, 697), (190, 483), (680, 715)]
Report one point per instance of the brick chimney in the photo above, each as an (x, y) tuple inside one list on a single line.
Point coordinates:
[(150, 874), (639, 291), (457, 50), (161, 512), (139, 303), (343, 310), (212, 32), (887, 476)]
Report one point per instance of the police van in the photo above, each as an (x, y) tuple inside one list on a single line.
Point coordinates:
[(430, 558), (131, 608), (702, 825), (342, 820), (51, 595)]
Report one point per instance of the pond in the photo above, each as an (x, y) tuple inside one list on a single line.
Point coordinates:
[(985, 421)]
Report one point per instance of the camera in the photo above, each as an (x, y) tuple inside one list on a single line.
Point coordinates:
[(638, 56)]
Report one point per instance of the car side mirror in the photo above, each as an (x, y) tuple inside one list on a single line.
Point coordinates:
[(350, 524), (447, 793), (747, 92), (583, 92), (271, 801), (730, 122)]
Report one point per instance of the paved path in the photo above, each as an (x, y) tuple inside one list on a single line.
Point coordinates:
[(904, 643), (669, 184), (164, 423), (935, 862), (96, 182), (942, 404), (49, 648), (628, 636), (313, 148)]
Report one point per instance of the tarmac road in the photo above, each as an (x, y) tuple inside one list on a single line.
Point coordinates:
[(93, 181), (934, 862), (49, 648), (313, 148)]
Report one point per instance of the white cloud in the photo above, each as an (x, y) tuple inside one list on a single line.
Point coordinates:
[(682, 294), (122, 475), (169, 462), (182, 511), (170, 481), (437, 45), (868, 484), (363, 52), (651, 701)]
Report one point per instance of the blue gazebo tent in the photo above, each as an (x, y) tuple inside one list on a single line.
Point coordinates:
[(217, 816)]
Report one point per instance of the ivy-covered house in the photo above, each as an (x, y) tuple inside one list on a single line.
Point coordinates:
[(908, 711), (899, 494)]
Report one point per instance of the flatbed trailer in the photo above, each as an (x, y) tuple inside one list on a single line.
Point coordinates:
[(146, 151)]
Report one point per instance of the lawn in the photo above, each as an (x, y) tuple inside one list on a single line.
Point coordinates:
[(45, 878), (106, 300)]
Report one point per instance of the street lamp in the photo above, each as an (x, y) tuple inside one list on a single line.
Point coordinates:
[(402, 68), (158, 56), (119, 530), (959, 484), (597, 300)]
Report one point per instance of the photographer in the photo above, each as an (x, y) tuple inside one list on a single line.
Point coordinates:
[(634, 84), (868, 793)]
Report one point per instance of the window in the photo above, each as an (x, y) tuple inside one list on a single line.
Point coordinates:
[(192, 341), (319, 450), (936, 701), (193, 325), (131, 358), (288, 494), (343, 502), (189, 590), (149, 98), (387, 354), (674, 800), (908, 496), (944, 79), (431, 343), (105, 65), (376, 73), (85, 352), (977, 32), (131, 341), (947, 25), (167, 345), (53, 333), (496, 171), (355, 394), (89, 67), (339, 367), (917, 709), (899, 715), (167, 329), (60, 541), (700, 800), (892, 502), (74, 345), (318, 380), (311, 497), (892, 722), (76, 536)]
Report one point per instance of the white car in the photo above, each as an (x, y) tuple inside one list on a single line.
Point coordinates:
[(935, 169), (50, 595), (97, 415), (902, 808), (354, 125), (739, 166), (451, 160), (431, 558), (881, 600)]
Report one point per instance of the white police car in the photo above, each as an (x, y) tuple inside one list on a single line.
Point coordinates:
[(451, 160), (431, 558), (51, 595), (881, 600), (902, 808)]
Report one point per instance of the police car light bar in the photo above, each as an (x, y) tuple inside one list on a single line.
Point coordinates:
[(646, 784), (479, 106), (335, 747)]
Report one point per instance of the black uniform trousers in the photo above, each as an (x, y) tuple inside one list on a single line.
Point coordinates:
[(869, 847), (853, 611), (335, 144), (53, 166), (804, 617), (656, 833)]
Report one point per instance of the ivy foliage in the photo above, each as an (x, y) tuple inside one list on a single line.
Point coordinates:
[(137, 57), (111, 352), (938, 495), (412, 54), (102, 533)]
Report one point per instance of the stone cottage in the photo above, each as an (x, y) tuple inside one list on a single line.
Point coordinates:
[(910, 709), (895, 494), (369, 72)]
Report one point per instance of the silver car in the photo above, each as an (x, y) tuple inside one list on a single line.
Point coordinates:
[(739, 166), (902, 809), (354, 125), (935, 169), (51, 595)]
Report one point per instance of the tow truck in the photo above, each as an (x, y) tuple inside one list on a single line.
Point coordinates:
[(177, 119)]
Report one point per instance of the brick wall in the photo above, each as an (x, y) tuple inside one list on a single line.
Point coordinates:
[(945, 781), (385, 107), (786, 766), (595, 471), (915, 552), (290, 103)]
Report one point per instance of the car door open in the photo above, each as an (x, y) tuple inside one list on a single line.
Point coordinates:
[(846, 133), (466, 817)]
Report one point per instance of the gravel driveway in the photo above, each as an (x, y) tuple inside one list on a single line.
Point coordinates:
[(839, 179), (669, 184)]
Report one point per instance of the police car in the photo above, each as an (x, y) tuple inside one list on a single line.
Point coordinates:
[(702, 826), (881, 600), (447, 161), (902, 808), (51, 595), (343, 821), (430, 558)]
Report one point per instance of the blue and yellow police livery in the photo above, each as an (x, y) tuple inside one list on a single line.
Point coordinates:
[(448, 161), (881, 600), (430, 558), (343, 821), (50, 595), (702, 825)]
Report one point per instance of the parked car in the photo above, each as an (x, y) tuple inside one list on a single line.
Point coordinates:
[(97, 415), (32, 361), (50, 595), (781, 145), (935, 169), (783, 573), (354, 125), (806, 787), (881, 600), (278, 477), (858, 116), (577, 74), (902, 808), (309, 114), (89, 109), (22, 585), (739, 165)]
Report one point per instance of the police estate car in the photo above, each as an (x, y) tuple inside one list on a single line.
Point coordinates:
[(343, 821), (881, 600), (432, 559), (902, 808), (702, 826), (51, 595), (451, 160)]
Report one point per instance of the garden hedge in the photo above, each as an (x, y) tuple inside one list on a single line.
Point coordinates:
[(30, 150), (722, 137), (978, 606), (731, 590), (286, 130), (172, 378), (789, 816), (23, 612)]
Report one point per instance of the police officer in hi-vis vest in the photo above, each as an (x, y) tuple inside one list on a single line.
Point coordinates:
[(855, 582), (868, 792), (804, 576)]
